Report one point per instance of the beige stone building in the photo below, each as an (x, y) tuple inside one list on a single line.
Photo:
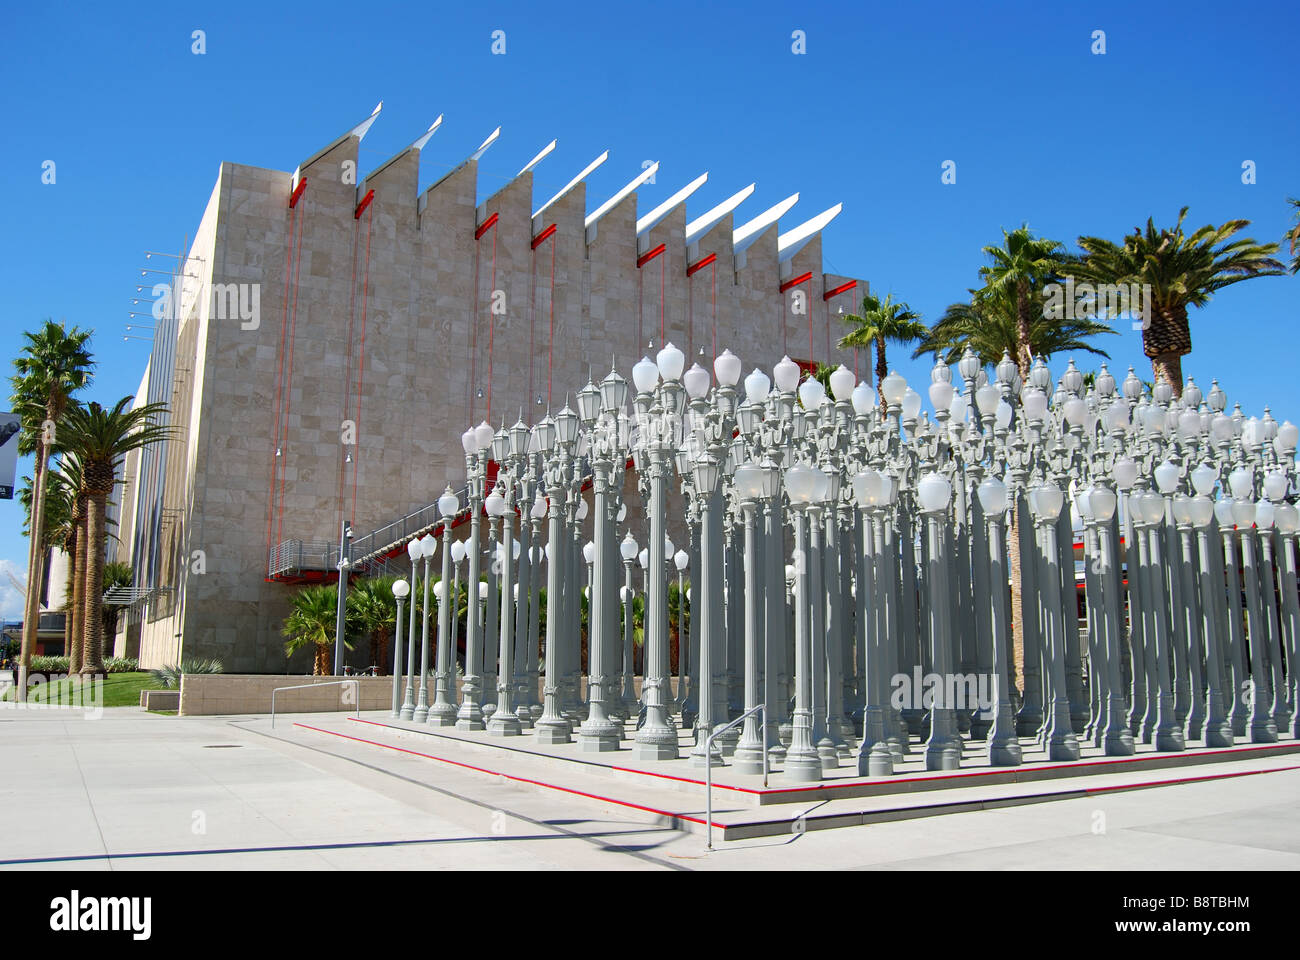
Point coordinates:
[(335, 331)]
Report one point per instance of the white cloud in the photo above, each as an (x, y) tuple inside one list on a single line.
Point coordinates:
[(11, 598)]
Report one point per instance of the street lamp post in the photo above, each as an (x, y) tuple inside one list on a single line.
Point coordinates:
[(400, 591)]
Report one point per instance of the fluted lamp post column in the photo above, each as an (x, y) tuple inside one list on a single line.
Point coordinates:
[(749, 755), (443, 711), (802, 762), (943, 749), (1046, 501), (503, 722), (706, 473), (401, 589), (1003, 746), (428, 547), (415, 551), (874, 756)]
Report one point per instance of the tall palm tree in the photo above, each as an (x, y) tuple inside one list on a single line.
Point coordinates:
[(881, 322), (53, 365), (65, 513), (990, 327), (1182, 271), (1292, 237), (101, 439), (311, 622), (1018, 271)]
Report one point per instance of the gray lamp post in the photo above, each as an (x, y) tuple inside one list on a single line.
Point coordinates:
[(599, 733), (1003, 747), (1168, 735), (1262, 729), (749, 755), (340, 619), (428, 547), (802, 762), (704, 753), (475, 441), (400, 591), (415, 551), (552, 727), (874, 756), (1287, 520), (934, 493), (657, 738), (503, 722), (628, 550), (682, 560), (1117, 739), (443, 711), (1046, 501), (1218, 729)]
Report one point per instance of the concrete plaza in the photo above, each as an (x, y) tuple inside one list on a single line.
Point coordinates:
[(140, 791)]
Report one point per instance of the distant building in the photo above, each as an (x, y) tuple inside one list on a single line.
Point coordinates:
[(335, 333)]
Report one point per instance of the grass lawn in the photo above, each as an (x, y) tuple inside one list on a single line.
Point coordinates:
[(119, 689)]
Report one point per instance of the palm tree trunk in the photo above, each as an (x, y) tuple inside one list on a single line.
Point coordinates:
[(882, 371), (69, 592), (77, 607), (35, 569), (1169, 366), (1024, 355), (323, 665), (1017, 604), (94, 585)]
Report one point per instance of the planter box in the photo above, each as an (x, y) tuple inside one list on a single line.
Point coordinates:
[(209, 694)]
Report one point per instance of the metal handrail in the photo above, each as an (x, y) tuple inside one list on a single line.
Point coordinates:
[(708, 767), (304, 686)]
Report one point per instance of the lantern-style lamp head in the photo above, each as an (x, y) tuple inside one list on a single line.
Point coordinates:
[(696, 381), (1046, 500), (749, 481), (726, 367), (842, 383), (671, 362), (1167, 478), (934, 492), (892, 388), (1103, 502), (495, 503), (786, 374), (993, 496), (757, 386), (448, 504), (867, 488), (645, 375), (458, 551), (627, 549), (681, 560), (864, 399), (401, 589)]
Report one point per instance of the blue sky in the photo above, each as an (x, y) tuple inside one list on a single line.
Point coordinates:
[(1041, 130)]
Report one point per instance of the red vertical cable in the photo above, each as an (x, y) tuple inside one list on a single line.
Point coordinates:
[(663, 273), (532, 317), (342, 482), (288, 386), (492, 326), (361, 362), (715, 309), (279, 378), (473, 363), (550, 360)]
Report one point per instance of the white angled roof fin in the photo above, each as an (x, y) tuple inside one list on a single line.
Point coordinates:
[(747, 233), (788, 244), (658, 213), (586, 171), (359, 131), (482, 149), (433, 128), (537, 159), (617, 198), (701, 225)]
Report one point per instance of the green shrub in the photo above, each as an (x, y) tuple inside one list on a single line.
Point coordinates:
[(49, 665), (169, 676)]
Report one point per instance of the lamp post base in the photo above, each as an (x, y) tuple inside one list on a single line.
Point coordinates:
[(1219, 734), (803, 767), (552, 732), (656, 750), (503, 724), (1005, 754), (442, 715), (876, 761), (1263, 731)]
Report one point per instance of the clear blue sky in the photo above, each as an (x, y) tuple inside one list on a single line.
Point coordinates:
[(1042, 131)]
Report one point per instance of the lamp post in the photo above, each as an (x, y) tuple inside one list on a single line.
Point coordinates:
[(1046, 501), (428, 547), (1003, 747), (415, 551), (1218, 728), (802, 762), (476, 442), (340, 618), (874, 756), (443, 711), (628, 551), (400, 591), (657, 738), (503, 722)]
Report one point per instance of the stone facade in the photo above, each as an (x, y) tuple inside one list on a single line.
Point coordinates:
[(376, 324)]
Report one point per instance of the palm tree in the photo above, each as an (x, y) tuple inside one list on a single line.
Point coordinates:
[(881, 322), (1182, 271), (1020, 268), (1292, 236), (311, 623), (990, 327), (373, 606), (52, 366), (101, 439), (115, 575), (65, 512)]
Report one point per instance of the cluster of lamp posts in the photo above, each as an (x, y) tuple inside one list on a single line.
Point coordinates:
[(841, 546)]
